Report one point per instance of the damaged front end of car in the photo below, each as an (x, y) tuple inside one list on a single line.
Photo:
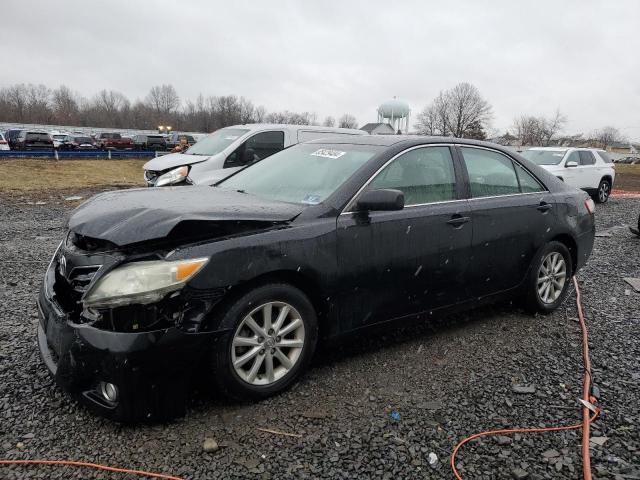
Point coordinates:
[(121, 328)]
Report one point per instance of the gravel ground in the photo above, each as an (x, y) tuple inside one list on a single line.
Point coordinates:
[(446, 380)]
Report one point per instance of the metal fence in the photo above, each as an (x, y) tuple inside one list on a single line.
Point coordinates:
[(69, 154)]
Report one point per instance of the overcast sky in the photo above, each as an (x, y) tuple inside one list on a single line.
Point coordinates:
[(332, 57)]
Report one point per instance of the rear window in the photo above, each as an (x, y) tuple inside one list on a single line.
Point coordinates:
[(156, 137), (43, 137), (605, 156), (83, 139)]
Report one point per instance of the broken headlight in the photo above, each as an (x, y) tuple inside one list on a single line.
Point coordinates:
[(172, 177), (142, 282)]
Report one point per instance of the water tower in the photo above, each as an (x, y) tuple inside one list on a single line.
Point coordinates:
[(395, 112)]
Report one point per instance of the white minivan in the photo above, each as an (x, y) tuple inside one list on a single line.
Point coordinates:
[(590, 169), (229, 149)]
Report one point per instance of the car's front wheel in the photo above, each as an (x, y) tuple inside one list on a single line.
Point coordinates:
[(549, 278), (604, 190), (272, 335)]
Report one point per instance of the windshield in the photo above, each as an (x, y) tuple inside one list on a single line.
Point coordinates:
[(216, 142), (544, 157), (304, 173)]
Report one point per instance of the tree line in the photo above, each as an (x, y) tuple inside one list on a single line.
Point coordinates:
[(39, 104)]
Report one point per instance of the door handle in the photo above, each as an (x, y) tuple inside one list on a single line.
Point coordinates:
[(544, 206), (458, 220)]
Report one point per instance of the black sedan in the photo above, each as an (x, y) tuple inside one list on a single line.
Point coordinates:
[(318, 240)]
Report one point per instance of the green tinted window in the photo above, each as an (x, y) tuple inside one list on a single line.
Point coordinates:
[(424, 175), (528, 183), (490, 173)]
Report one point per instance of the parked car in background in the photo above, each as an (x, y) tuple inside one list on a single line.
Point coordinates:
[(149, 142), (11, 136), (4, 145), (327, 238), (61, 141), (113, 141), (34, 140), (82, 142), (590, 169), (174, 139), (232, 148)]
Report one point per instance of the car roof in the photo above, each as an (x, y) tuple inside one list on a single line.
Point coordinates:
[(407, 140), (268, 126)]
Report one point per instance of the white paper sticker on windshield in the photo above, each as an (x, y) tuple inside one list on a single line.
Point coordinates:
[(311, 199), (231, 137), (558, 154), (327, 153)]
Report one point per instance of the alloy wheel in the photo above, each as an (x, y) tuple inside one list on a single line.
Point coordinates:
[(603, 192), (267, 344), (552, 276)]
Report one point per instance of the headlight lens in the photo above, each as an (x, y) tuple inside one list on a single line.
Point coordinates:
[(142, 282), (176, 175)]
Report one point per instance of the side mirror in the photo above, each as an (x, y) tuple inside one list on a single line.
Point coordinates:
[(571, 163), (384, 199)]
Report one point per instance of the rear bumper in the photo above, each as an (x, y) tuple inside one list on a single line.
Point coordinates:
[(151, 370)]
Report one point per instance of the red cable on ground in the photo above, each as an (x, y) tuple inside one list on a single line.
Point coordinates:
[(90, 465), (586, 419)]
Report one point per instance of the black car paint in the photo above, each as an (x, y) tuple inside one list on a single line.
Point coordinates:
[(477, 249)]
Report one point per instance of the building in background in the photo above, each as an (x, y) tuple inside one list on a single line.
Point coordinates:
[(378, 129)]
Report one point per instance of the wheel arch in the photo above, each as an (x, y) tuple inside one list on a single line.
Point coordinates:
[(569, 242), (305, 283), (608, 178)]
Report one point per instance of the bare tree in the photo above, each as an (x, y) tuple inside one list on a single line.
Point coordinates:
[(65, 105), (459, 112), (531, 130), (607, 136), (329, 122), (348, 121)]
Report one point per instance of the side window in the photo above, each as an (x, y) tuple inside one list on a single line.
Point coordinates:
[(605, 156), (587, 158), (261, 144), (573, 157), (490, 173), (266, 143), (424, 175), (528, 182)]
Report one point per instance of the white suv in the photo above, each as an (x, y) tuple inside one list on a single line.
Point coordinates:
[(590, 169)]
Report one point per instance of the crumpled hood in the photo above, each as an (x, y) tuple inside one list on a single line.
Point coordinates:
[(138, 215), (173, 160)]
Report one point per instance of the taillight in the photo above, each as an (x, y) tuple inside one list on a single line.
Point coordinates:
[(590, 206), (3, 142)]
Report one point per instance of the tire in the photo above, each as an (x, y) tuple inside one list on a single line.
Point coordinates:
[(538, 299), (604, 190), (235, 382)]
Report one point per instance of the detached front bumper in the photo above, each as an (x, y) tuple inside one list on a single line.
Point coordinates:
[(150, 370)]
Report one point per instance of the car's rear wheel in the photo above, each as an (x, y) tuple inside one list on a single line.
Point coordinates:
[(272, 335), (549, 278), (604, 190)]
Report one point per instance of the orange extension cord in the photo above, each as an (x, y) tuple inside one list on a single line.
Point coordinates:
[(586, 419)]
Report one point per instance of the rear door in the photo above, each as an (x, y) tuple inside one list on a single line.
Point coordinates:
[(511, 211), (414, 260), (589, 174)]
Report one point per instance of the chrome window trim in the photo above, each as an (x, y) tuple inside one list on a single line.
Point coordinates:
[(351, 201)]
